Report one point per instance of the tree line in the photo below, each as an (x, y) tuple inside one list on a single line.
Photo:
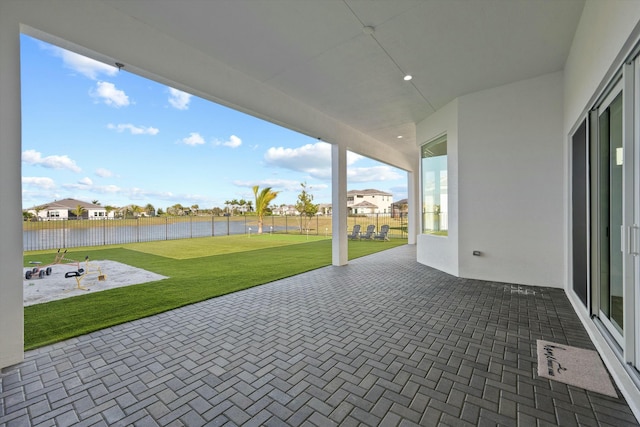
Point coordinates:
[(261, 206)]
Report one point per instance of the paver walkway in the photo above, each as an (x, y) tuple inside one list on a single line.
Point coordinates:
[(382, 341)]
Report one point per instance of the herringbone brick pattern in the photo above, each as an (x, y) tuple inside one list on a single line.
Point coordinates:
[(383, 341)]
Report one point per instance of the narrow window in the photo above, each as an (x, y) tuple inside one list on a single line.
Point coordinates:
[(435, 207)]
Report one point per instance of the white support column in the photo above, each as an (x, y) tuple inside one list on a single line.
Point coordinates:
[(414, 206), (339, 247), (11, 311)]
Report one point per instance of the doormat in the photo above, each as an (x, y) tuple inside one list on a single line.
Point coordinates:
[(574, 366)]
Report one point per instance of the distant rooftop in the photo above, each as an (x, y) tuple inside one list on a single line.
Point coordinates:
[(368, 192), (66, 204)]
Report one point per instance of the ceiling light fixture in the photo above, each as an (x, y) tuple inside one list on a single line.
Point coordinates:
[(400, 137), (369, 30)]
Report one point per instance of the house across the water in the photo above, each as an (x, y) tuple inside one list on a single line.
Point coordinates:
[(68, 209)]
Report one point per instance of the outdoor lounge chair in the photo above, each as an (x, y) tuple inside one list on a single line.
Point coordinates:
[(371, 231), (355, 233), (383, 234)]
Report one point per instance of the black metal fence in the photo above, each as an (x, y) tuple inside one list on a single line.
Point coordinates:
[(44, 235)]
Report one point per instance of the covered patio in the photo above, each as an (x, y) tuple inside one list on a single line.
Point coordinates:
[(383, 341), (529, 105)]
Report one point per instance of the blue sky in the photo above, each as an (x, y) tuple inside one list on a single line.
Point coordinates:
[(91, 132)]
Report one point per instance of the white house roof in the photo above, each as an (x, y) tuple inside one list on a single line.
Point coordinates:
[(68, 204), (364, 204), (368, 192)]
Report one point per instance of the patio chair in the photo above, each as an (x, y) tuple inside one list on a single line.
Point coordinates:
[(355, 233), (383, 234), (371, 231)]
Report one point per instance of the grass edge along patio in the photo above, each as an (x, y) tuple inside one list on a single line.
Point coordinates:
[(197, 269)]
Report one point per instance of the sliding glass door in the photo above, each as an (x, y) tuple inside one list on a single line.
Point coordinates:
[(614, 164), (605, 213), (610, 193)]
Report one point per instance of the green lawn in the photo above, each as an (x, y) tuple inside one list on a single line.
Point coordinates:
[(198, 269)]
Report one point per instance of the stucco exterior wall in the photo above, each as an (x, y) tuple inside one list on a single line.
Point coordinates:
[(381, 201), (505, 163), (510, 147), (442, 252), (602, 40)]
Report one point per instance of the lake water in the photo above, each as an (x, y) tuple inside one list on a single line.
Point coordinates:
[(110, 233)]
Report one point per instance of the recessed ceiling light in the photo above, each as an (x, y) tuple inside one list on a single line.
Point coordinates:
[(408, 77), (400, 137), (368, 30)]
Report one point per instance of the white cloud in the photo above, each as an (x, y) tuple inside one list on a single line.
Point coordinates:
[(101, 189), (353, 157), (134, 130), (107, 189), (275, 184), (193, 139), (86, 66), (86, 181), (179, 99), (39, 181), (107, 93), (399, 192), (34, 157), (233, 142), (311, 187), (315, 160), (104, 173), (312, 159), (372, 174), (302, 159)]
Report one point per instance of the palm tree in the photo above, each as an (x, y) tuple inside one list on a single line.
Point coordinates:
[(263, 198), (150, 209), (109, 209), (136, 210), (39, 209), (234, 206), (78, 211)]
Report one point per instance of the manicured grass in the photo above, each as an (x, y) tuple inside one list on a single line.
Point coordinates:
[(225, 265), (207, 246)]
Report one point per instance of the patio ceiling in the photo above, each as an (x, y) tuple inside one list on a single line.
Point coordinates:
[(321, 53)]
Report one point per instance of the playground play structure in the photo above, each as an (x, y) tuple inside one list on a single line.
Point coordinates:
[(82, 270), (40, 270)]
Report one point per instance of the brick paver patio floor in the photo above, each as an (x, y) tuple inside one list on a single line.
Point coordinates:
[(382, 341)]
